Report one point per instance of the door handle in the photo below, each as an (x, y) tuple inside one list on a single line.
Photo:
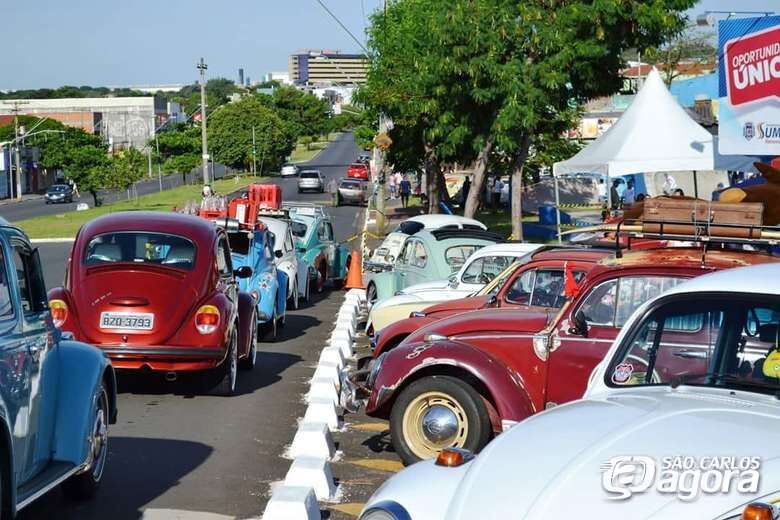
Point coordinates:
[(690, 354)]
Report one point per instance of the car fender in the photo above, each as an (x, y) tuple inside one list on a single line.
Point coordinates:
[(390, 336), (342, 260), (290, 269), (500, 385), (304, 275), (385, 284), (282, 279), (82, 369), (246, 321)]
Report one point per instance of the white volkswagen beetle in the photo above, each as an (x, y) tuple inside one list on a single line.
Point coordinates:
[(285, 258), (479, 269), (682, 420)]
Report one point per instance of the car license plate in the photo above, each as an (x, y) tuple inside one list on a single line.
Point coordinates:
[(127, 321)]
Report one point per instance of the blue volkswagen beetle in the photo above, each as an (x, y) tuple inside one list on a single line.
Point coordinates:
[(255, 248), (57, 396)]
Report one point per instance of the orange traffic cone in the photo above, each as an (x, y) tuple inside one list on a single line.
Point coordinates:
[(355, 273)]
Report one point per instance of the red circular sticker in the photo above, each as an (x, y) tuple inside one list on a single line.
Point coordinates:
[(622, 373)]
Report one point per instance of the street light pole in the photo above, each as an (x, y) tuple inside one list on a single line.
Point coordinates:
[(17, 138), (202, 68)]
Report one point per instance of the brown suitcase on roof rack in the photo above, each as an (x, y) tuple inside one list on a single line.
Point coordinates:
[(671, 216)]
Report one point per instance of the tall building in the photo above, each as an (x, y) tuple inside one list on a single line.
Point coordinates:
[(323, 67), (240, 79)]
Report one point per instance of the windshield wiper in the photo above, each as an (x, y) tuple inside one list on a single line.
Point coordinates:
[(724, 378)]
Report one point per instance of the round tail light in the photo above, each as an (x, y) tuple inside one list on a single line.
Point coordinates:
[(59, 312), (207, 319)]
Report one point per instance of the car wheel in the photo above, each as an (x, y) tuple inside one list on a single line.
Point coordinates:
[(438, 412), (371, 295), (84, 485), (248, 363), (272, 331), (229, 370), (295, 297)]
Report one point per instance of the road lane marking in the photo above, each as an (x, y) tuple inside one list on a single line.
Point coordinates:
[(377, 427), (180, 514), (350, 508), (388, 465)]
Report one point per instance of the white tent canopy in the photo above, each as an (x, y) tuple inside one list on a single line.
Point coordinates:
[(654, 134)]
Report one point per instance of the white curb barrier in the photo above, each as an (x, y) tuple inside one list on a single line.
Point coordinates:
[(345, 347), (323, 389), (345, 332), (328, 371), (312, 472), (347, 317), (340, 335), (292, 503), (312, 440), (333, 355), (322, 410), (345, 323)]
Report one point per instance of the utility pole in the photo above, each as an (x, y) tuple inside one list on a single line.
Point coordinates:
[(159, 168), (254, 153), (17, 140), (202, 68)]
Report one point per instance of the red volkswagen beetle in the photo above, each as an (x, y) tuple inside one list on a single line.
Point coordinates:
[(157, 291), (357, 171)]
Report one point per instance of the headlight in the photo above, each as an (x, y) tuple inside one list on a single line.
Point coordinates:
[(385, 510), (375, 370)]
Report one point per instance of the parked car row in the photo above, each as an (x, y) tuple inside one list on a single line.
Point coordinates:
[(646, 334)]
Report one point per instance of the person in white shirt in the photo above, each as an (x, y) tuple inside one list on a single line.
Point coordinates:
[(670, 185), (629, 196)]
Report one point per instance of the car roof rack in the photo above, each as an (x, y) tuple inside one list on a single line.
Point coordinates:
[(273, 212), (445, 234), (305, 208)]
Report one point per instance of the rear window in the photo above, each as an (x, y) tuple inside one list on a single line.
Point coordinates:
[(309, 175), (140, 247), (298, 229), (239, 242), (352, 185)]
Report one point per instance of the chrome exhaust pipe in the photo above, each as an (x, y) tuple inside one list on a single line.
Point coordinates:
[(170, 377)]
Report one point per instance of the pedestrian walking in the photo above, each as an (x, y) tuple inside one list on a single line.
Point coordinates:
[(670, 185), (498, 187), (393, 185), (406, 189), (76, 191), (614, 195)]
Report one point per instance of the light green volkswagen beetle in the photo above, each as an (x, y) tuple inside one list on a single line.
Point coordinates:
[(427, 256)]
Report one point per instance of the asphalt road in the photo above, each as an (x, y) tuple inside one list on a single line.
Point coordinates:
[(174, 451)]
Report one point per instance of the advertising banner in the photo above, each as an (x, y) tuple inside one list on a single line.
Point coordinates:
[(749, 80)]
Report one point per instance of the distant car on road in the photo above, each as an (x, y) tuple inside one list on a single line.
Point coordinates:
[(352, 191), (57, 396), (358, 171), (59, 193), (289, 170), (364, 158), (310, 180), (157, 291)]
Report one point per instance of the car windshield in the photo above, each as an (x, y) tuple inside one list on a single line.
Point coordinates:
[(239, 242), (456, 256), (298, 229), (712, 340), (309, 175), (498, 282), (58, 187), (140, 247)]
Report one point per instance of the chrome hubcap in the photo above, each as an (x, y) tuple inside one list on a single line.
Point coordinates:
[(98, 441), (440, 425), (233, 364)]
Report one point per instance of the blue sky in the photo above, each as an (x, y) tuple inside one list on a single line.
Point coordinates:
[(49, 43)]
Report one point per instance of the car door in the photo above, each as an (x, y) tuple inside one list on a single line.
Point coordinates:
[(325, 236), (226, 283), (480, 272), (37, 359), (417, 269)]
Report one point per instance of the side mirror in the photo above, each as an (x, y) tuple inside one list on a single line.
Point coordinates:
[(491, 301), (243, 272), (278, 253), (580, 325), (300, 250), (390, 259), (453, 280)]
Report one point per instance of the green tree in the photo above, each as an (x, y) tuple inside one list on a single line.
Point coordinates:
[(305, 113), (126, 168), (476, 79), (230, 135), (691, 46), (90, 168)]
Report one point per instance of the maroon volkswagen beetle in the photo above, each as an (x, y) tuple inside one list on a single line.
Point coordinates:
[(157, 291)]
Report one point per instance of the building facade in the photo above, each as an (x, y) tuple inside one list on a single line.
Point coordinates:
[(121, 121), (323, 67)]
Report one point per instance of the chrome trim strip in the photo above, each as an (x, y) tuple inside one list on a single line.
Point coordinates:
[(48, 487), (492, 336)]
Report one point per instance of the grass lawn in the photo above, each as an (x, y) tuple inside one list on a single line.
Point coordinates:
[(501, 221), (303, 154), (67, 224)]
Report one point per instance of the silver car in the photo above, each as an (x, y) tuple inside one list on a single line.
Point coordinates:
[(310, 180), (289, 170), (352, 191)]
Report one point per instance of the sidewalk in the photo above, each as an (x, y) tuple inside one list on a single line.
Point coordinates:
[(25, 198)]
